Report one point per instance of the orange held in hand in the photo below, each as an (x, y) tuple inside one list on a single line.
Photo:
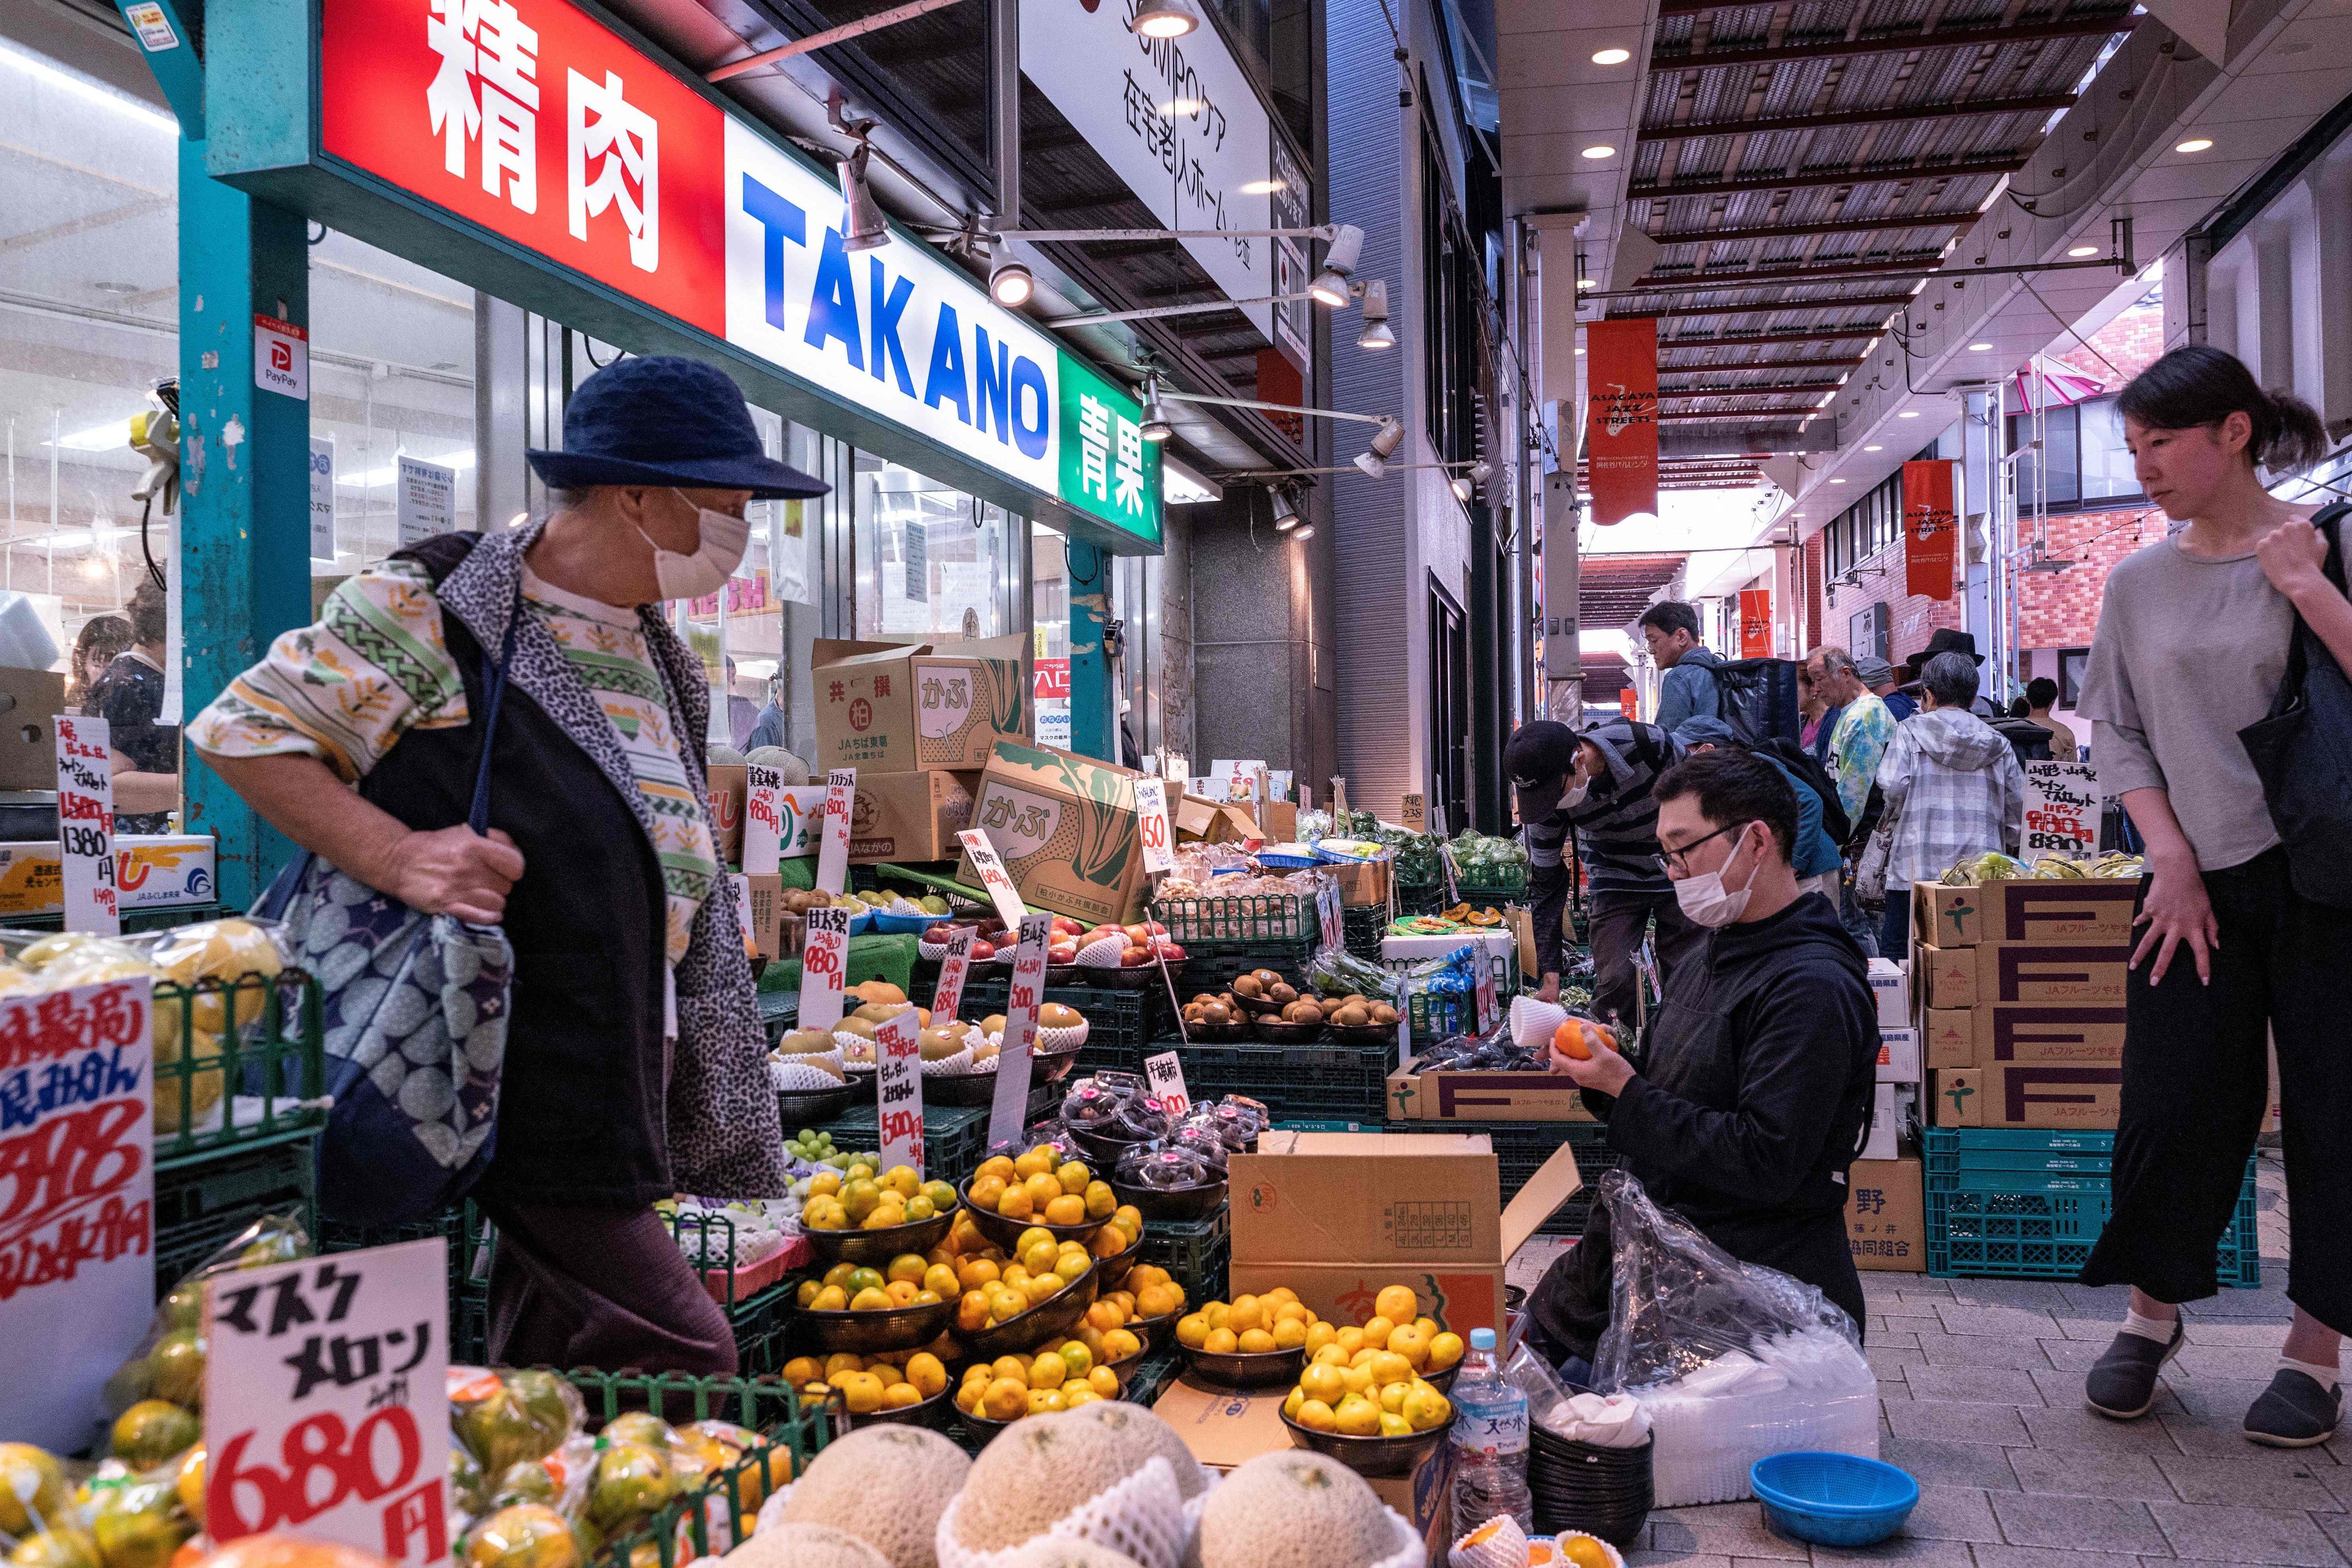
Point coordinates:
[(1575, 1039)]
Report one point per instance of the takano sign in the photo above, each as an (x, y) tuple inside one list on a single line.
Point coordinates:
[(537, 122)]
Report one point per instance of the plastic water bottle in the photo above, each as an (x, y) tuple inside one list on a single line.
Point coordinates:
[(1489, 1438)]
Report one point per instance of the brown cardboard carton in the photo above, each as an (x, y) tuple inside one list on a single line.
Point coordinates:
[(1337, 1215), (898, 708), (2015, 1032), (2058, 975), (2029, 1094), (909, 816), (1947, 1037), (1064, 827), (1417, 1096), (2059, 910), (1210, 822), (1947, 977), (1952, 1097), (1945, 917), (1280, 818), (1362, 883), (1886, 1215), (726, 799)]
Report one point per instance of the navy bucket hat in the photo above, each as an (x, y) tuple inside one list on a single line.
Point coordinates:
[(666, 420)]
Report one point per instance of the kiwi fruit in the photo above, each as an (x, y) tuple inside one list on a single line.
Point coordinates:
[(1266, 977), (1282, 992), (1249, 986), (1215, 1013), (1352, 1017), (1303, 1013)]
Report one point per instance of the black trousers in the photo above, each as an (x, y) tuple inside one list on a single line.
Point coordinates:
[(1620, 921), (2196, 1076)]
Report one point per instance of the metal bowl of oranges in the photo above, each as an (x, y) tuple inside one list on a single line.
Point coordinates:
[(841, 1215), (863, 1310), (892, 1386), (1049, 1318), (1008, 1197)]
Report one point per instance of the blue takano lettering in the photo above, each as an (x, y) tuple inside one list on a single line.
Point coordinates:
[(31, 1093), (993, 398), (778, 221), (885, 305), (833, 305), (945, 381), (1028, 384)]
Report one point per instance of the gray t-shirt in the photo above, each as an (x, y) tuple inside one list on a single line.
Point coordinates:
[(2190, 651)]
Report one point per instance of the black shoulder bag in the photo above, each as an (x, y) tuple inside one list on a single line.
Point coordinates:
[(2304, 751)]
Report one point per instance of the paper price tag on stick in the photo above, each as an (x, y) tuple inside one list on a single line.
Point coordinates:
[(899, 1090), (993, 878), (1010, 1112), (947, 1000), (1165, 1074), (833, 847), (86, 825), (1485, 990), (1413, 812), (1152, 827), (763, 821), (824, 966)]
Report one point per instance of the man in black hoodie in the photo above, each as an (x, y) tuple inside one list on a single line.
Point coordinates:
[(1756, 1090)]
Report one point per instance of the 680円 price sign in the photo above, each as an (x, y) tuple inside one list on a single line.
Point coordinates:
[(326, 1404)]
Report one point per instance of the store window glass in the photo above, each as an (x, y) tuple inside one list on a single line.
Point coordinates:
[(2108, 471), (932, 562), (1049, 599)]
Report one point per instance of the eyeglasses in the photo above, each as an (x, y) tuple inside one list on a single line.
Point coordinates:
[(1679, 859)]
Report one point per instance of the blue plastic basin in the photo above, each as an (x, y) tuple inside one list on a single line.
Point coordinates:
[(1834, 1499)]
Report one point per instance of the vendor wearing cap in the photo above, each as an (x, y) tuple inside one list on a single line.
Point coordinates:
[(636, 1064), (1878, 678)]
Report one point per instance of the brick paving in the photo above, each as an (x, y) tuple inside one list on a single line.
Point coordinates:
[(1980, 1391)]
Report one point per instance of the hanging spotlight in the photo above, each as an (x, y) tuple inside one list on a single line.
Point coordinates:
[(1340, 258), (1286, 515), (1155, 417), (1463, 489), (1164, 18), (1305, 531), (1385, 441), (1330, 288), (1376, 333), (863, 226), (1009, 282)]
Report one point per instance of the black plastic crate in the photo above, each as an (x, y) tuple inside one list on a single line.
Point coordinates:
[(201, 1203), (1522, 1147), (955, 1137), (1214, 964), (1310, 1080), (1420, 898), (1362, 927), (1120, 1022), (1196, 1254)]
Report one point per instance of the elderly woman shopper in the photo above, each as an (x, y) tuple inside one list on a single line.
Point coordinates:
[(635, 1063), (1953, 788)]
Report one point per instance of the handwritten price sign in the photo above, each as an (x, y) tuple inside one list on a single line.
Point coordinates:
[(763, 821), (947, 1000), (2062, 809), (1152, 827), (832, 848), (989, 868), (824, 962), (1165, 1074), (1025, 996), (77, 1201), (86, 825), (899, 1090), (326, 1400)]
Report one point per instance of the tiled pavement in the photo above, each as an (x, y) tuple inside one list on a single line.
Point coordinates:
[(1981, 1400)]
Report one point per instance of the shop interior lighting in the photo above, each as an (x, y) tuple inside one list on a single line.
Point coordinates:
[(2194, 144), (2082, 250), (1980, 348), (1611, 57), (1286, 513), (1376, 332), (863, 226), (1908, 413), (1155, 417), (1164, 18), (1009, 282), (1601, 150)]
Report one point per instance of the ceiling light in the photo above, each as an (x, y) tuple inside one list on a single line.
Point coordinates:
[(1837, 481), (2194, 144), (1908, 413), (863, 226), (1376, 333), (1611, 57), (1587, 283), (1873, 448), (1009, 282), (1304, 530), (1601, 150), (1179, 108), (1980, 348), (1330, 288), (2082, 250), (1580, 348), (1163, 18), (1155, 418), (1286, 515), (1264, 187)]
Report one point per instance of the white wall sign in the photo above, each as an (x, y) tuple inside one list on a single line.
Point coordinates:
[(327, 1401), (425, 498), (833, 845), (78, 1209), (2062, 809), (86, 825), (825, 960), (1023, 997), (899, 1090), (323, 498)]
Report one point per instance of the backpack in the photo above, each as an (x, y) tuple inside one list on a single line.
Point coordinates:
[(1806, 766), (1758, 697)]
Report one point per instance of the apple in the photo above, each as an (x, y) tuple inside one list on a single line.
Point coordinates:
[(1170, 952), (982, 952), (1131, 957), (1137, 934), (1061, 953)]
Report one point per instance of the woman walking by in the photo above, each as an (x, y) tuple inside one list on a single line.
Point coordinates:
[(2192, 647)]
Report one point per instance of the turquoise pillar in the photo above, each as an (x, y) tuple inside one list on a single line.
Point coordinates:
[(1094, 720), (244, 560)]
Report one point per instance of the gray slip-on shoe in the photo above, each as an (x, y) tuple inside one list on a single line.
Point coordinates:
[(2294, 1412), (2122, 1382)]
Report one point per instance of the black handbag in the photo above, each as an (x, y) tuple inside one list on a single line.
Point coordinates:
[(2302, 752)]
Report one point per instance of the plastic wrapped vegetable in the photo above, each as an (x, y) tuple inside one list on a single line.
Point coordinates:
[(506, 1418), (1166, 1169)]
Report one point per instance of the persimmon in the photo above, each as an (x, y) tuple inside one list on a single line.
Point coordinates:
[(1567, 1040)]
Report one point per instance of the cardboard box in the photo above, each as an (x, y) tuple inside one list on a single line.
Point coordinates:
[(1337, 1215), (1884, 1142), (2059, 910), (1886, 1215), (1362, 883), (1890, 982), (1280, 820), (1417, 1096), (725, 796), (1208, 822), (1945, 917), (1899, 1056), (2053, 975), (2036, 1094), (897, 708), (1947, 1037), (151, 871), (1947, 977), (909, 816), (2017, 1033), (1064, 827)]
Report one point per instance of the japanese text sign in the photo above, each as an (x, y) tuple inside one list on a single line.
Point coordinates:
[(824, 962), (1165, 1075), (1413, 812), (1931, 527), (1152, 826), (947, 1000), (86, 825), (77, 1201), (898, 1089), (1488, 1011), (1755, 622), (742, 881), (327, 1401), (1621, 417), (993, 878), (764, 820), (833, 846), (1023, 999), (2062, 809)]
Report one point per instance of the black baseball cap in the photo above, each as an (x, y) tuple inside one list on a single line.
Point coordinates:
[(1539, 756)]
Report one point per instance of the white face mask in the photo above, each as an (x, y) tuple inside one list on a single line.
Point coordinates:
[(725, 537), (1705, 900), (1576, 794)]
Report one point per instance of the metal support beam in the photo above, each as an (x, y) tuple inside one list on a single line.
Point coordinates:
[(1696, 130), (1879, 44), (1776, 391), (1094, 728), (1697, 282), (1671, 312), (1737, 416), (1004, 107), (831, 35), (1772, 340), (1758, 364), (1806, 230), (1962, 169)]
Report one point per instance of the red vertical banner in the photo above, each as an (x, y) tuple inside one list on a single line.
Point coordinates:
[(1931, 527), (1756, 623), (1621, 416), (1627, 700)]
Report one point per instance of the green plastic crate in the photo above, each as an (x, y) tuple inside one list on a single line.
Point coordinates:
[(276, 1057), (202, 1202), (955, 1137), (1252, 917)]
